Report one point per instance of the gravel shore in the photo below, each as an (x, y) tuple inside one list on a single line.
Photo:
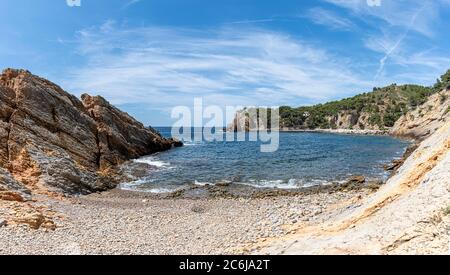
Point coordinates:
[(122, 222)]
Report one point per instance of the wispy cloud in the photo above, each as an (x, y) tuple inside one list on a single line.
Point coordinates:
[(130, 3), (165, 67), (330, 19), (407, 62), (394, 23), (398, 13), (253, 21), (389, 50)]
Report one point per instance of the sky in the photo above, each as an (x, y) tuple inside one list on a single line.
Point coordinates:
[(149, 56)]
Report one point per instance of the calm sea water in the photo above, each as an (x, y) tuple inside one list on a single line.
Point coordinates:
[(303, 159)]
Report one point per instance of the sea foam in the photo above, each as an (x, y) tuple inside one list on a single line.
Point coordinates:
[(153, 162)]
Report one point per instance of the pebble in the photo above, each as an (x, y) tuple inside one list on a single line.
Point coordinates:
[(117, 224)]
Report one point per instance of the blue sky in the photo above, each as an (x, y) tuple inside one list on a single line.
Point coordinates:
[(147, 56)]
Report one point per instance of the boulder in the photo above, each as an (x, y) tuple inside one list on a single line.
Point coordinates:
[(120, 137), (396, 163), (50, 138), (34, 221), (357, 180)]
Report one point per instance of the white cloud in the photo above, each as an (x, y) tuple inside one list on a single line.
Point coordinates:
[(253, 21), (396, 22), (166, 67), (398, 13), (408, 63), (330, 19), (131, 2)]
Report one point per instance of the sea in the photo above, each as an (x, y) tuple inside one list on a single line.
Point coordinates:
[(303, 159)]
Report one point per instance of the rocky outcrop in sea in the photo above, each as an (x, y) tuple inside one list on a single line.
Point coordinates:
[(51, 140)]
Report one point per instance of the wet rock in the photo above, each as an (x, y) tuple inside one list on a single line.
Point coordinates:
[(374, 185), (394, 165), (223, 184), (357, 180)]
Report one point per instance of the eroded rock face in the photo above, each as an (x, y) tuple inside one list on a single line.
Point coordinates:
[(50, 138), (426, 119), (8, 183), (120, 137)]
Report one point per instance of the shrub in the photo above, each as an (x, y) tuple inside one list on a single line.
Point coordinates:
[(384, 106), (389, 119), (447, 210), (375, 120)]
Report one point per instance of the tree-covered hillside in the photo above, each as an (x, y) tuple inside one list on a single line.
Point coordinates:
[(378, 109)]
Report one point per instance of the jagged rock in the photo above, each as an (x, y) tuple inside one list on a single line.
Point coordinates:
[(12, 190), (50, 138), (34, 221), (11, 196), (396, 163), (425, 119), (49, 224), (120, 137), (357, 180), (247, 120)]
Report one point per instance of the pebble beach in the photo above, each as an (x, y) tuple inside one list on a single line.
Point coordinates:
[(123, 222)]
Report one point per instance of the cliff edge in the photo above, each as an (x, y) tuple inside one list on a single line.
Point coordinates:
[(408, 215), (51, 140)]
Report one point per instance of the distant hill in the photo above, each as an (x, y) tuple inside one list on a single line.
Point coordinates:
[(376, 110)]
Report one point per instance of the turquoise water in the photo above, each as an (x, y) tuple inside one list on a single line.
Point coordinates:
[(303, 159)]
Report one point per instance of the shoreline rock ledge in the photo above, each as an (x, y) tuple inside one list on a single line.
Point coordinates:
[(51, 140)]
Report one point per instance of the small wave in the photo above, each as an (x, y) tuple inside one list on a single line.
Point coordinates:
[(132, 185), (153, 162), (276, 184), (290, 184), (142, 186), (161, 190), (202, 183)]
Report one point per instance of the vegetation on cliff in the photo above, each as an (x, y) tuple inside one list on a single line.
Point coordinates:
[(378, 109)]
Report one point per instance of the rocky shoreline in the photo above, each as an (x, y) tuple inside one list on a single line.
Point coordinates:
[(45, 170), (52, 141), (342, 131), (122, 222)]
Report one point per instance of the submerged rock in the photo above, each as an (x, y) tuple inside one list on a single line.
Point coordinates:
[(50, 138), (357, 180)]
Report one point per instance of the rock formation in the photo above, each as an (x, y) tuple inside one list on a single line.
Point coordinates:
[(49, 139), (408, 215), (426, 119), (374, 112)]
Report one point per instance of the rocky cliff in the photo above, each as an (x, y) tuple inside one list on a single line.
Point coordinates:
[(410, 214), (378, 110), (426, 119), (49, 139)]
